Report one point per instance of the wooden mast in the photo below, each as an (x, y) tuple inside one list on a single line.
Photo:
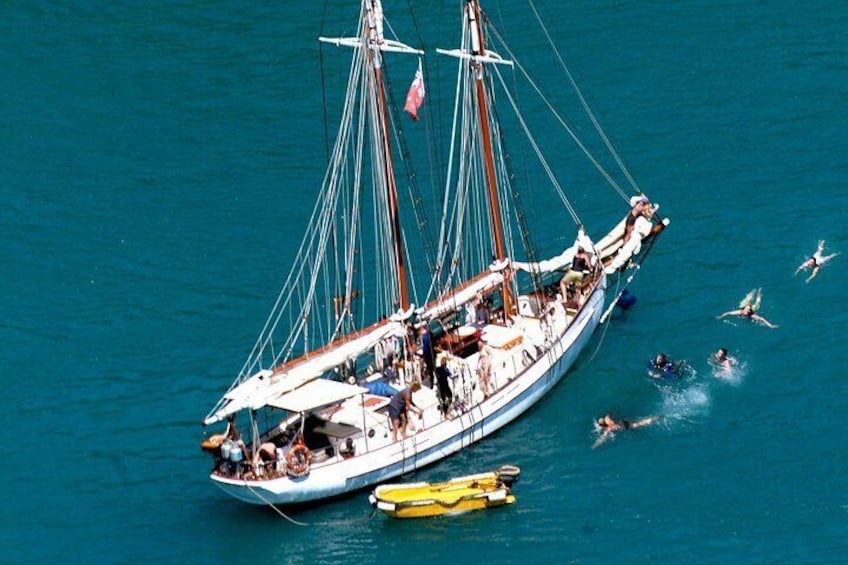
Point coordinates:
[(375, 38), (478, 48)]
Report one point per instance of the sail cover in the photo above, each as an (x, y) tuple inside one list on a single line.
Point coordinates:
[(263, 387), (467, 294), (561, 261), (338, 354), (316, 394)]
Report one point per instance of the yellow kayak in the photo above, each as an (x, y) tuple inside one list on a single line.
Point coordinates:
[(463, 494)]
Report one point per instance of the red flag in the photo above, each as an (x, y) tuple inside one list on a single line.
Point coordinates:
[(415, 96)]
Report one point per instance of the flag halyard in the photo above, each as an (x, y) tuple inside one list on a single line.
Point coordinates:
[(415, 96)]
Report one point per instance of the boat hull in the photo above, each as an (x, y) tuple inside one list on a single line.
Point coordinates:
[(430, 509), (456, 496), (433, 443)]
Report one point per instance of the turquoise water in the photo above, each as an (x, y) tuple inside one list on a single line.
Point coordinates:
[(158, 161)]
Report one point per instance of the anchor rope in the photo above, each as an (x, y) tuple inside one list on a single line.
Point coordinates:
[(298, 523)]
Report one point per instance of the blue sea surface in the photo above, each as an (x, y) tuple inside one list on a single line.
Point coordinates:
[(160, 160)]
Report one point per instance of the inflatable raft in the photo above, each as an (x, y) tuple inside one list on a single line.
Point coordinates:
[(463, 494)]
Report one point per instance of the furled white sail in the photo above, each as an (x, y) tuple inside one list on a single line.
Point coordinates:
[(263, 387), (561, 261), (461, 297)]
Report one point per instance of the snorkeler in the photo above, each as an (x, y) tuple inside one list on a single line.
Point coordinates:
[(748, 308), (607, 425), (661, 367), (815, 262)]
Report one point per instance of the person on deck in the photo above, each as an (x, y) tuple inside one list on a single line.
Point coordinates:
[(484, 370), (399, 405), (641, 216), (444, 390), (428, 351), (581, 264), (389, 368), (266, 453), (232, 432), (636, 211), (481, 314), (815, 262)]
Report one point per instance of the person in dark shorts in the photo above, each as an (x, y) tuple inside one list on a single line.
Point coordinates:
[(400, 403)]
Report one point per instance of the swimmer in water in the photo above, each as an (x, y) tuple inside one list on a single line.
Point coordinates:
[(661, 367), (815, 262), (723, 362), (661, 362), (748, 308), (607, 425)]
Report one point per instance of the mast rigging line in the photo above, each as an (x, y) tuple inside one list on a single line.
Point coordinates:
[(585, 104), (317, 235), (559, 118), (324, 232), (432, 153), (412, 178), (443, 250), (605, 317), (528, 184), (572, 212), (323, 85)]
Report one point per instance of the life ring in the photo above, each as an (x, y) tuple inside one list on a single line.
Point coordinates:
[(298, 461)]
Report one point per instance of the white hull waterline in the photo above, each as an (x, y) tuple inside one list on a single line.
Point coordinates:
[(386, 460)]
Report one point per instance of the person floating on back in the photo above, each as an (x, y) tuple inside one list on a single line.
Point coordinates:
[(815, 262), (748, 308)]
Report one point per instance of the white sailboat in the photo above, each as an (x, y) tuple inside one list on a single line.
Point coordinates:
[(314, 395)]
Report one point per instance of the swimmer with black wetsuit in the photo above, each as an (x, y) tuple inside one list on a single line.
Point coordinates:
[(607, 425)]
